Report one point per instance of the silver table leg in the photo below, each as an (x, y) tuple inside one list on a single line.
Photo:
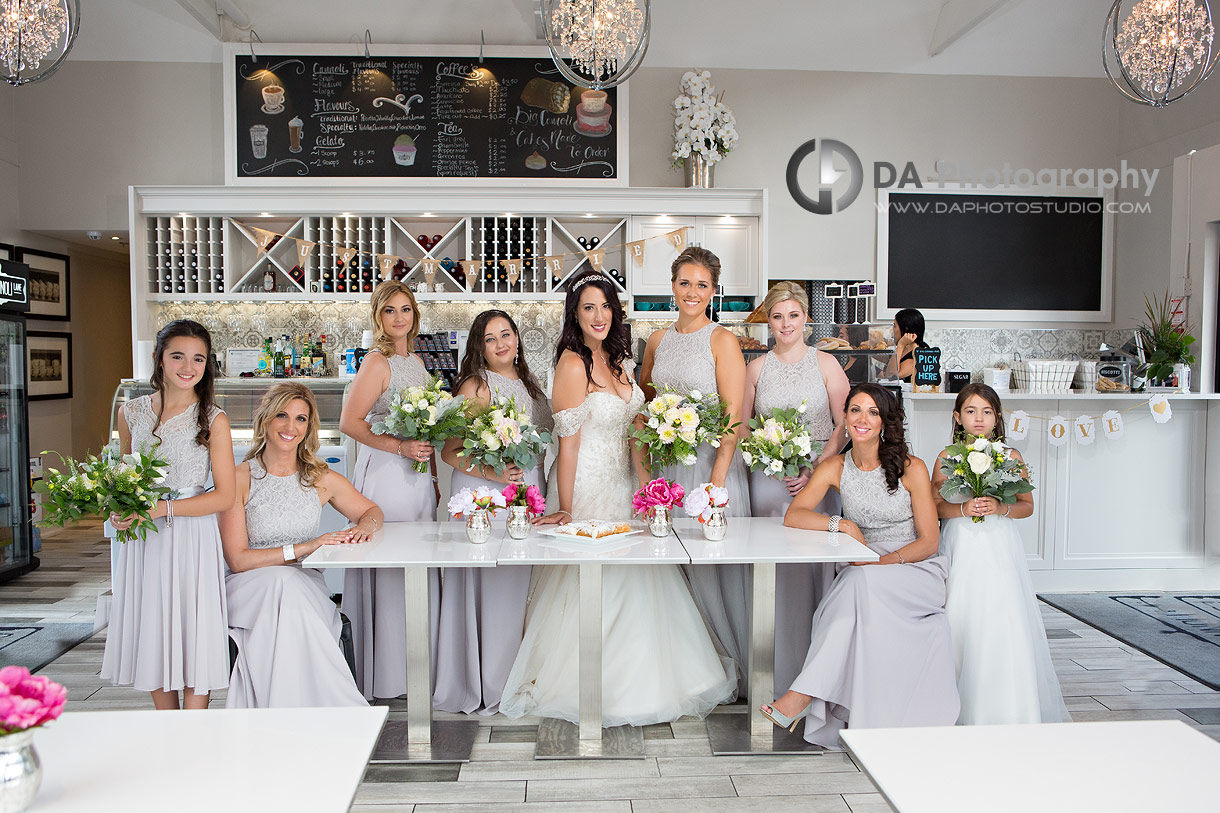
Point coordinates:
[(421, 739), (752, 733), (559, 739)]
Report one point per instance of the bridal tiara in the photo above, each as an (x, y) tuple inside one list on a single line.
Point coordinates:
[(590, 278)]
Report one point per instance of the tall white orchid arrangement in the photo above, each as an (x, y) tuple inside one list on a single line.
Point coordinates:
[(703, 124)]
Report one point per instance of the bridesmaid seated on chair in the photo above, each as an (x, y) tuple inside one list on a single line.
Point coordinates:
[(880, 655), (280, 614)]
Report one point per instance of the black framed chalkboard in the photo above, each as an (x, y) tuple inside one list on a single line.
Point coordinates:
[(927, 367), (948, 252), (428, 117)]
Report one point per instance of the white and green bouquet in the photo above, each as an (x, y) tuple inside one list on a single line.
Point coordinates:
[(107, 483), (501, 435), (779, 444), (676, 425), (426, 413), (978, 467)]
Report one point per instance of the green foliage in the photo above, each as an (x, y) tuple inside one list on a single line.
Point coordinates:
[(1167, 343), (500, 434)]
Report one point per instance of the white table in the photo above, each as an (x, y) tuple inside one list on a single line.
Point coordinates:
[(762, 542), (1116, 767), (220, 759), (559, 739), (415, 547)]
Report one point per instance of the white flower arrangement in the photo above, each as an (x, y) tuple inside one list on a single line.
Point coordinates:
[(703, 124)]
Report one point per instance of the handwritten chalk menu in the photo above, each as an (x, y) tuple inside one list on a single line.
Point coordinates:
[(419, 117), (927, 367)]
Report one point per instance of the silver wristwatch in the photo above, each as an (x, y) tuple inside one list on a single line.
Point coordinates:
[(833, 527)]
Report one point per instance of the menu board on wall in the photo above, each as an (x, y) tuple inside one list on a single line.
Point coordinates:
[(395, 117)]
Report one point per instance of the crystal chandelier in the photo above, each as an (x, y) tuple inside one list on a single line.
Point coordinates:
[(1162, 50), (35, 37), (605, 40)]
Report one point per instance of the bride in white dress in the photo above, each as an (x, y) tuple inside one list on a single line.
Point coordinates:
[(659, 662)]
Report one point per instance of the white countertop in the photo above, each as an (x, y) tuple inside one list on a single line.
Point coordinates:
[(220, 759), (767, 539), (411, 544), (637, 549), (1116, 767), (1074, 395)]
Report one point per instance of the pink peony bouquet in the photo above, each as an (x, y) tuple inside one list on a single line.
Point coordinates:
[(529, 496), (28, 701), (468, 499), (701, 501), (659, 492)]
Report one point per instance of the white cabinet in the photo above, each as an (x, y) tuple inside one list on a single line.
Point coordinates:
[(735, 240)]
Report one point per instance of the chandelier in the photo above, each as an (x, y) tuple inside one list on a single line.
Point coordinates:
[(605, 40), (35, 37), (1162, 50)]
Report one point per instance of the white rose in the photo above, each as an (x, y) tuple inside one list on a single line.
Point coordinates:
[(749, 458), (695, 395), (801, 409), (998, 445), (979, 463), (776, 466), (979, 444), (653, 423), (689, 460)]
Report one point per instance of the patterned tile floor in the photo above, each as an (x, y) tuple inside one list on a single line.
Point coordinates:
[(1102, 679)]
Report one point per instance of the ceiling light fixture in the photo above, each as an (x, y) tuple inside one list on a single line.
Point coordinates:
[(605, 40), (1161, 51), (35, 37)]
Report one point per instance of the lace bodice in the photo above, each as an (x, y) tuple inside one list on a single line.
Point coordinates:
[(280, 510), (539, 410), (886, 519), (174, 441), (782, 385), (405, 371), (604, 475), (684, 361)]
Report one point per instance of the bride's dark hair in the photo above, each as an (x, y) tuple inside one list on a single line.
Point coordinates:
[(893, 445), (617, 343)]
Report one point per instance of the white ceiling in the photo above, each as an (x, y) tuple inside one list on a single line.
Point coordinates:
[(1023, 38)]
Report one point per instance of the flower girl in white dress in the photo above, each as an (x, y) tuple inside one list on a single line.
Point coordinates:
[(1004, 670)]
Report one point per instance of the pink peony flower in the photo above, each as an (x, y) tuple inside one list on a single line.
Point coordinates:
[(510, 493), (28, 700), (535, 501)]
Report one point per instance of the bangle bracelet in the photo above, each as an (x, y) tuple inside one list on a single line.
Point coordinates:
[(1008, 510), (562, 511), (290, 553), (963, 507), (398, 448), (901, 561), (833, 524), (169, 513)]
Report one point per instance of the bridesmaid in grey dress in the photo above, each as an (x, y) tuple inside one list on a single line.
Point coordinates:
[(695, 354), (483, 609), (881, 654), (373, 598), (280, 614), (168, 624), (791, 373)]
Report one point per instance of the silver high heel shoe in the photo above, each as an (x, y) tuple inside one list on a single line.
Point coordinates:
[(782, 720)]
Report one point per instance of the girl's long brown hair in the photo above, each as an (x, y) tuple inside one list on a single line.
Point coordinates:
[(382, 294), (309, 466), (205, 389), (474, 362), (987, 394)]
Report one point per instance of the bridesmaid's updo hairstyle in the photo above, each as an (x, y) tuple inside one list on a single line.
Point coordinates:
[(893, 444), (696, 255), (382, 295), (309, 466), (617, 343), (782, 292), (474, 363), (205, 388), (987, 394)]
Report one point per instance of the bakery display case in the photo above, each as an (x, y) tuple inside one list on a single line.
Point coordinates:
[(863, 349)]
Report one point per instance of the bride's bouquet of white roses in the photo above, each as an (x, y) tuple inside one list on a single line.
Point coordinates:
[(426, 413), (502, 434), (978, 467), (676, 425), (779, 444)]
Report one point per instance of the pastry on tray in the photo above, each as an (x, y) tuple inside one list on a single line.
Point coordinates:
[(831, 343), (594, 528)]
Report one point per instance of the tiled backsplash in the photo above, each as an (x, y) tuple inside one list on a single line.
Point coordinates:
[(243, 324)]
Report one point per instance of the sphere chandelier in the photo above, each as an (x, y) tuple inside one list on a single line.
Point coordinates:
[(35, 37), (605, 40), (1161, 51)]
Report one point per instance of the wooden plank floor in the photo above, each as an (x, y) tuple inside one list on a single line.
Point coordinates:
[(1102, 679)]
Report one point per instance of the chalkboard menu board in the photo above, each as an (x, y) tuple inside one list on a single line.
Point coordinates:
[(927, 367), (308, 117)]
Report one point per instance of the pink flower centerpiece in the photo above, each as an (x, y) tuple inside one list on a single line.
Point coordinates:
[(530, 497), (28, 701), (656, 501)]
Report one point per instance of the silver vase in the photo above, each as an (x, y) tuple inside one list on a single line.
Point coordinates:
[(518, 521), (478, 526), (716, 526), (20, 771), (659, 521), (697, 172)]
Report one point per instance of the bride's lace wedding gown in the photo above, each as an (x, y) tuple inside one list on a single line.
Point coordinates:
[(658, 659)]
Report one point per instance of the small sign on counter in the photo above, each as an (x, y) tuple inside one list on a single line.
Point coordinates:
[(926, 377)]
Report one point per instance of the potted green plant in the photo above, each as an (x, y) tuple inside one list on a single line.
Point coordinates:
[(1166, 345)]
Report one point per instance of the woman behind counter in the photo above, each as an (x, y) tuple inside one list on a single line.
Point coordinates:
[(908, 335)]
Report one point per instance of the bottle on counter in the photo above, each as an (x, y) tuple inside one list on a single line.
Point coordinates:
[(264, 358), (269, 279), (278, 360), (320, 358)]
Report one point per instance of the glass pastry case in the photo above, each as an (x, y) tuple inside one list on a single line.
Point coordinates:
[(863, 349)]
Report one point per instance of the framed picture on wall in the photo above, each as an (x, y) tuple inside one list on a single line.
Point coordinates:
[(49, 361), (48, 283), (6, 251)]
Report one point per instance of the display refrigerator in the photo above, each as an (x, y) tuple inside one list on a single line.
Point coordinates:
[(16, 550)]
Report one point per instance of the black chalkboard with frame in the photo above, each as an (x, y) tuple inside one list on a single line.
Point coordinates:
[(431, 117), (927, 367)]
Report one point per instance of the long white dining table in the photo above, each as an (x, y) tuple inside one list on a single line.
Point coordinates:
[(416, 546), (762, 542)]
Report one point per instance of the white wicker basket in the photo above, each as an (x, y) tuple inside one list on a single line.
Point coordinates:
[(1043, 375), (1086, 377)]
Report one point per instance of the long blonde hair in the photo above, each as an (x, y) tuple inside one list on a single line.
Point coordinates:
[(782, 292), (382, 294), (309, 466)]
